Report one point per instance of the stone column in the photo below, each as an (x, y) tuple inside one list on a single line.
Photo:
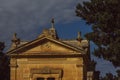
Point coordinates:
[(13, 69), (80, 72), (90, 75)]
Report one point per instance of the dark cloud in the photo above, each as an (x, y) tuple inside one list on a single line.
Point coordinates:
[(26, 16)]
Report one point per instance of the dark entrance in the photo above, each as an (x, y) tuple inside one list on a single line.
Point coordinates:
[(40, 78), (50, 78)]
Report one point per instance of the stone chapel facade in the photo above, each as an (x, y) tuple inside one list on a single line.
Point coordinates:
[(50, 58)]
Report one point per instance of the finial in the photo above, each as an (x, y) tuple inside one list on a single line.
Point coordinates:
[(14, 36), (15, 40), (79, 36), (52, 21)]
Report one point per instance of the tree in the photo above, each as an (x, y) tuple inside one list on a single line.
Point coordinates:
[(110, 76), (4, 64), (104, 18), (2, 46)]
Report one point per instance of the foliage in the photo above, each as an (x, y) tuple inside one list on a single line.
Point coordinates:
[(104, 17), (110, 76), (4, 64), (2, 46)]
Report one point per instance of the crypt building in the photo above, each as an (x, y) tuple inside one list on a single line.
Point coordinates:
[(50, 58)]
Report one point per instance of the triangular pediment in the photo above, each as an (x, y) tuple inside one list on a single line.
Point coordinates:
[(45, 45), (49, 47)]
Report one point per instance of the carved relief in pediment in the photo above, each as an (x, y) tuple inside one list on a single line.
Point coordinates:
[(49, 47)]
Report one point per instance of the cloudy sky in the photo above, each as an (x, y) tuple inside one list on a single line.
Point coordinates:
[(28, 17)]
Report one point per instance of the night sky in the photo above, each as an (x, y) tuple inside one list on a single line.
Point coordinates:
[(29, 17)]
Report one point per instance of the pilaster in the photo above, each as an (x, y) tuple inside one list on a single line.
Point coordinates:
[(13, 69)]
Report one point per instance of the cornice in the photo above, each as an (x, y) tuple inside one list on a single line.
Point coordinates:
[(40, 41)]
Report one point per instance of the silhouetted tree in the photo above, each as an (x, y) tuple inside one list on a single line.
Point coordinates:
[(97, 75), (104, 17), (118, 75), (4, 64), (109, 76)]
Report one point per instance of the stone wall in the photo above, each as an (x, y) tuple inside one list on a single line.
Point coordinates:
[(60, 68)]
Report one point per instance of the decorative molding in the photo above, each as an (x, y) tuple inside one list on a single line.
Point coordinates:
[(47, 70), (13, 65), (79, 65), (47, 45)]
